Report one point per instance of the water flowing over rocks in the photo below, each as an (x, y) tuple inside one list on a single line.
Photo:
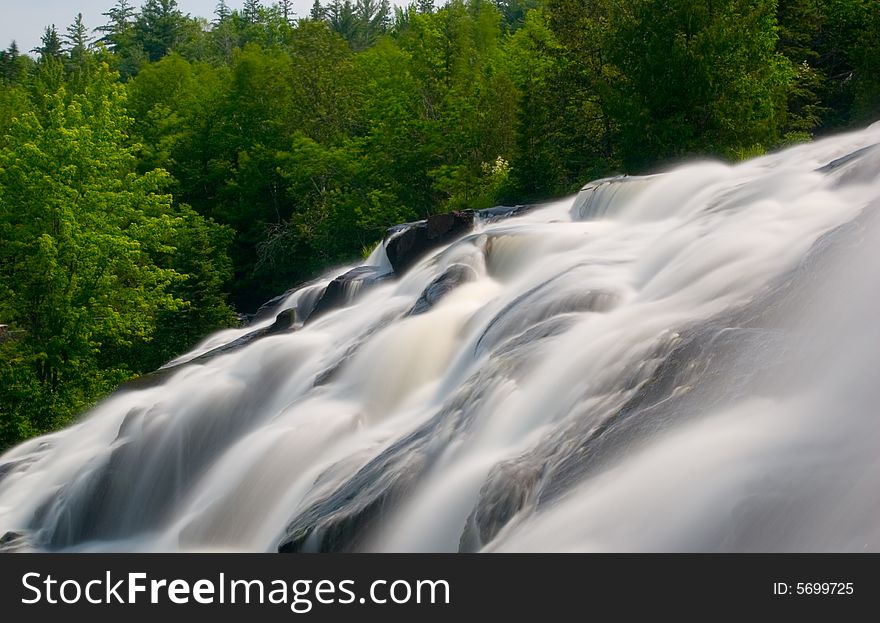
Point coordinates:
[(674, 362)]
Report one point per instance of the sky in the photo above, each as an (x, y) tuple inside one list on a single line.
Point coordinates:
[(24, 20)]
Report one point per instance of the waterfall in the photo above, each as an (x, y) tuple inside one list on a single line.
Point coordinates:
[(679, 362)]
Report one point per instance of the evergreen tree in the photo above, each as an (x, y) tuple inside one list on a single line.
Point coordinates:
[(50, 47), (117, 32), (425, 7), (318, 12), (373, 17), (285, 7), (158, 28), (251, 11), (78, 42), (221, 12), (12, 64), (342, 17), (118, 35)]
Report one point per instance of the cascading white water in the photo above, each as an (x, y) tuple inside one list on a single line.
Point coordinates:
[(684, 362)]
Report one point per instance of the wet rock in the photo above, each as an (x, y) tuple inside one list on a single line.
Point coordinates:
[(310, 305), (847, 159), (508, 489), (148, 380), (133, 421), (499, 213), (342, 290), (859, 168), (285, 322), (309, 292), (341, 518), (535, 306), (451, 278), (340, 522), (14, 541), (689, 381), (15, 465), (406, 244), (266, 308)]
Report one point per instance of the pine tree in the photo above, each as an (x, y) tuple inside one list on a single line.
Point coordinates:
[(78, 41), (9, 63), (372, 21), (251, 10), (286, 9), (221, 12), (318, 13), (158, 27), (121, 18), (343, 19), (50, 44), (425, 7), (119, 37)]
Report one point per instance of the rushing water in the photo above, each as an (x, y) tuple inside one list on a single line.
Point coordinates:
[(681, 362)]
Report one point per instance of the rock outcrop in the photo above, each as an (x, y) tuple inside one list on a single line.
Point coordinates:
[(406, 244), (451, 278)]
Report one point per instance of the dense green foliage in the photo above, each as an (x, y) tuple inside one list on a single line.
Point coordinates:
[(154, 165)]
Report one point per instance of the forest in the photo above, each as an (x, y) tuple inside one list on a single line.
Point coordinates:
[(162, 174)]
